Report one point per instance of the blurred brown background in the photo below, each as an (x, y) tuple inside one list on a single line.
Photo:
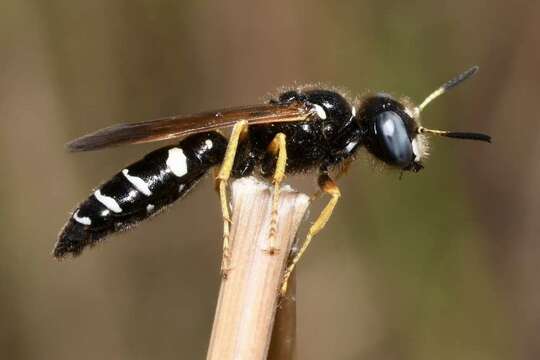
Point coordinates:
[(439, 265)]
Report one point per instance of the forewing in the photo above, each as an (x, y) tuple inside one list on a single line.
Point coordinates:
[(180, 126)]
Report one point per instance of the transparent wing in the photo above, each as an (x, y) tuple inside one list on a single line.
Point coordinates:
[(179, 126)]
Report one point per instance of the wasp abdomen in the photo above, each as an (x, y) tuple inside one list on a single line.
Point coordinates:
[(141, 190)]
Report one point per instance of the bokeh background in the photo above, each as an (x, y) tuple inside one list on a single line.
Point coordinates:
[(440, 265)]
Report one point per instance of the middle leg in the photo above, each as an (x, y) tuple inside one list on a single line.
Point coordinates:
[(278, 147)]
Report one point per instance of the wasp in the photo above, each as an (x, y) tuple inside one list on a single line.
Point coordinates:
[(300, 130)]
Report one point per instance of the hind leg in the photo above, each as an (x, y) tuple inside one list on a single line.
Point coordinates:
[(239, 132)]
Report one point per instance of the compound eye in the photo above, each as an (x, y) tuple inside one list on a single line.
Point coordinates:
[(393, 138)]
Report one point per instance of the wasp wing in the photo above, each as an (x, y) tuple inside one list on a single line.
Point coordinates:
[(179, 126)]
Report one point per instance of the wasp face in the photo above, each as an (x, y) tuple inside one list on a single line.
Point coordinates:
[(391, 133)]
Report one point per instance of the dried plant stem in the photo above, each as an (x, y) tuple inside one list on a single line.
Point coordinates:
[(283, 343), (248, 298)]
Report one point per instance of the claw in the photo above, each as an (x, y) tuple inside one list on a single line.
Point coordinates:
[(272, 250), (226, 263)]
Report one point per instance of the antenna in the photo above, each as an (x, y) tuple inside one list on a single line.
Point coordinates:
[(456, 134), (441, 90), (445, 87)]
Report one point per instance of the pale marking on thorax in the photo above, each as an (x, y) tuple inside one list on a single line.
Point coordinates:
[(320, 111)]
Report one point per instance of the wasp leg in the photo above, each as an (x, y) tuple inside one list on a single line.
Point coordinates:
[(343, 170), (239, 131), (329, 187), (277, 147)]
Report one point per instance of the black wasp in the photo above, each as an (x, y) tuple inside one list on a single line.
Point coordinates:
[(302, 129)]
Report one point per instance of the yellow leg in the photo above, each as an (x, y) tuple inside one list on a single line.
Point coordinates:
[(239, 130), (277, 146), (343, 170), (329, 187)]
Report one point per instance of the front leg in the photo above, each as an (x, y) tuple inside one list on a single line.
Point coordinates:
[(329, 187), (343, 170)]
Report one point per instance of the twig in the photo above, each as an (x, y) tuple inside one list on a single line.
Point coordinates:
[(248, 298), (283, 343)]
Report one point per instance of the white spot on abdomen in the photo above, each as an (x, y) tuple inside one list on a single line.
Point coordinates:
[(320, 111), (177, 162), (209, 144), (150, 208), (137, 182), (181, 187), (85, 220), (353, 111), (107, 201)]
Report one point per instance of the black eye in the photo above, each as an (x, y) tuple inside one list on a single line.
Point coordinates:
[(393, 138)]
